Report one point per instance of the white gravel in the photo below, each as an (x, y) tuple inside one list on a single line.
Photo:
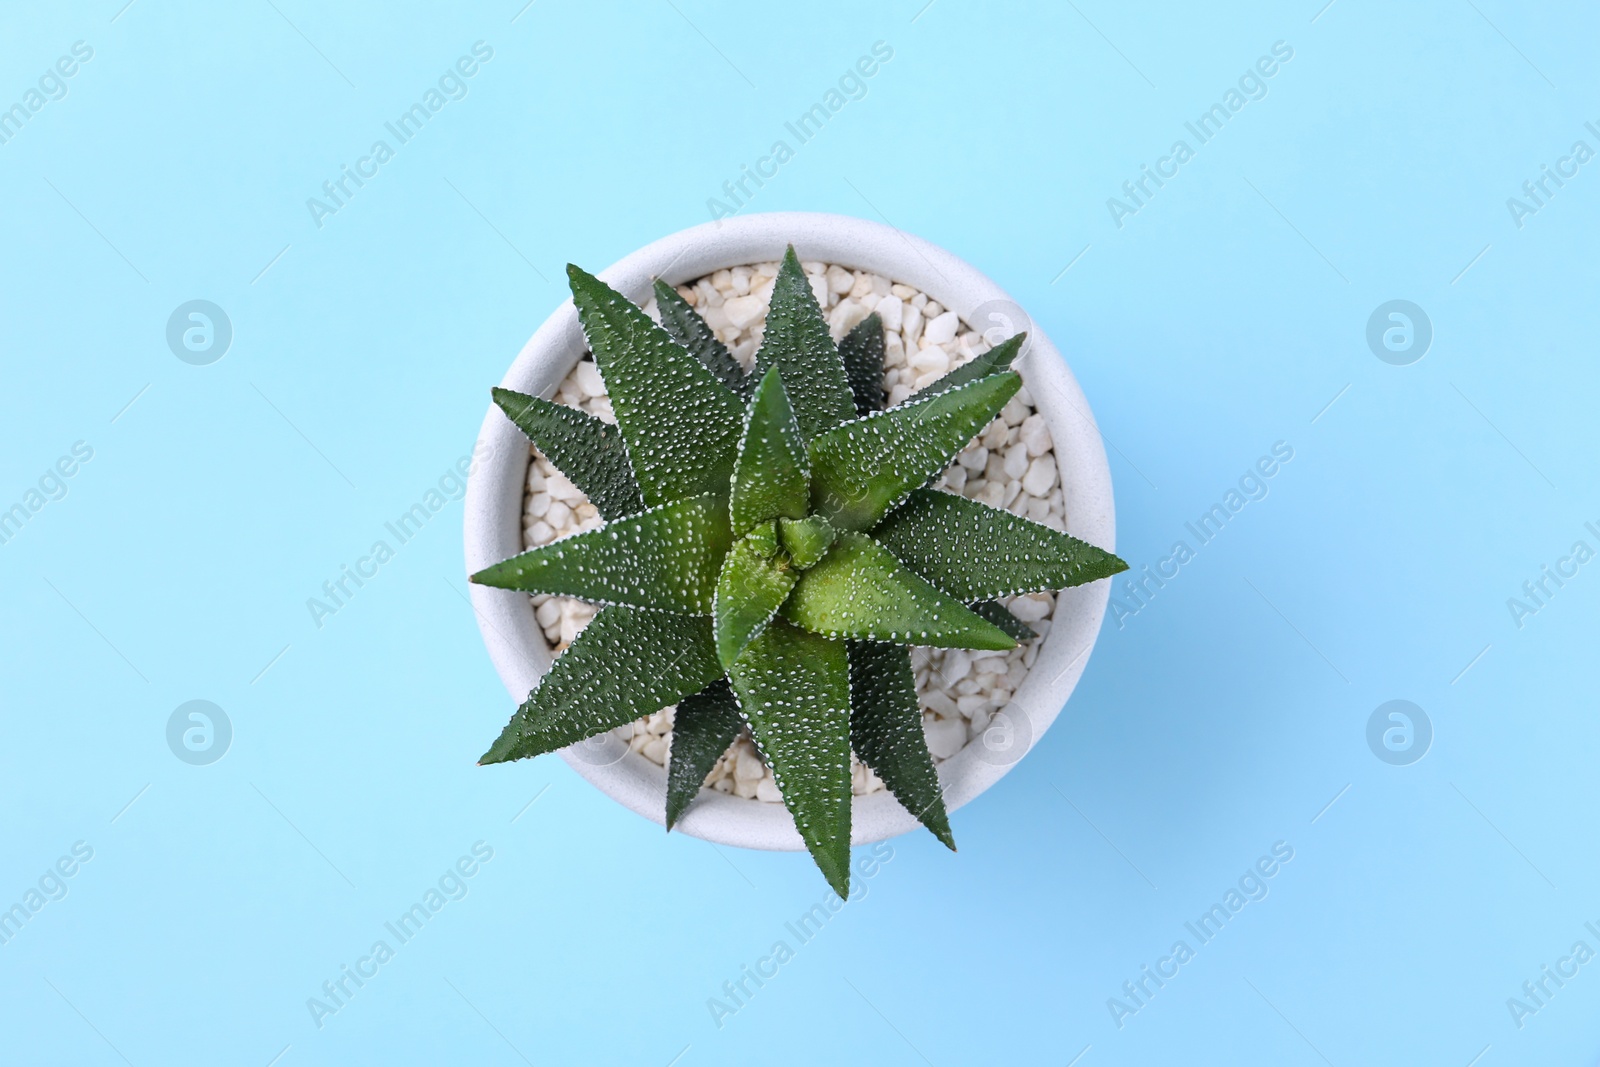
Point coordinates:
[(1010, 465)]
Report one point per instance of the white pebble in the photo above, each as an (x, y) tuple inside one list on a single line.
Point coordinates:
[(741, 311), (716, 316), (930, 359), (562, 489), (911, 328), (749, 766), (1016, 462), (1034, 435), (1031, 608), (892, 310), (1041, 476), (587, 377), (945, 736), (820, 290), (943, 329), (840, 280), (1014, 412), (845, 317), (894, 351)]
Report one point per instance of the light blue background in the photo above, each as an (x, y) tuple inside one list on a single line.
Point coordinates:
[(1223, 717)]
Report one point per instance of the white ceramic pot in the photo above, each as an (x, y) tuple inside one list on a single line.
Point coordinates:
[(495, 499)]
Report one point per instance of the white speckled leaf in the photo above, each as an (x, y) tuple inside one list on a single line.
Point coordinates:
[(806, 540), (680, 422), (626, 663), (666, 558), (994, 361), (862, 351), (772, 476), (749, 590), (861, 590), (691, 331), (589, 452), (976, 552), (703, 726), (862, 470), (797, 342), (886, 732), (1001, 616), (794, 691)]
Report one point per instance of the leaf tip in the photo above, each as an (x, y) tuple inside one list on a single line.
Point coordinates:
[(837, 874)]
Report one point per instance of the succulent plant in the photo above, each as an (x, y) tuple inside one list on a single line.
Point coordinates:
[(770, 552)]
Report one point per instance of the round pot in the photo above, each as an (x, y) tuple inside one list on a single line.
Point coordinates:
[(495, 499)]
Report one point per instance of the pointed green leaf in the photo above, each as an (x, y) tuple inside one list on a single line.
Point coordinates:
[(796, 341), (794, 691), (691, 331), (772, 476), (749, 590), (806, 540), (860, 590), (864, 469), (886, 732), (626, 663), (680, 422), (764, 538), (993, 361), (703, 727), (1001, 616), (862, 352), (976, 552), (589, 452), (665, 558)]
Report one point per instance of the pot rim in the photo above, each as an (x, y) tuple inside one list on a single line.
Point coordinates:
[(494, 502)]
